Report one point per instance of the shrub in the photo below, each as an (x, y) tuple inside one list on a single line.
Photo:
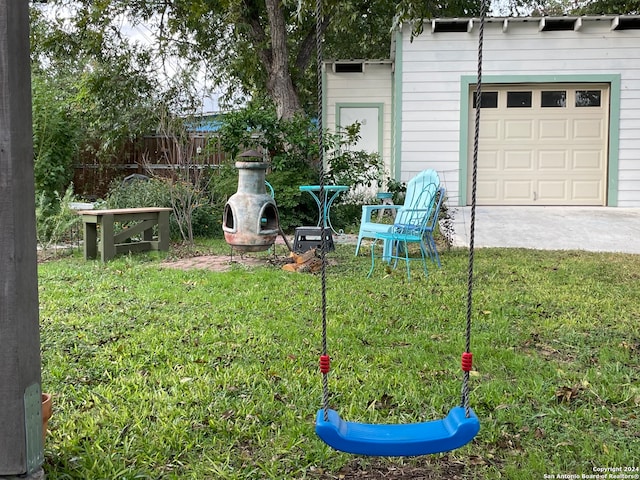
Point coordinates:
[(291, 146), (55, 141), (346, 216), (156, 192), (56, 222), (152, 192), (348, 166), (399, 189), (138, 193), (206, 222), (292, 150), (295, 208)]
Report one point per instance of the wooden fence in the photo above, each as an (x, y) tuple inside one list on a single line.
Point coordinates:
[(145, 156)]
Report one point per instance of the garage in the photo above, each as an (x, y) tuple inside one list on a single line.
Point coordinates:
[(542, 144), (560, 116)]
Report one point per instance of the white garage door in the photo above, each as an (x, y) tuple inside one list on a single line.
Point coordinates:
[(542, 144)]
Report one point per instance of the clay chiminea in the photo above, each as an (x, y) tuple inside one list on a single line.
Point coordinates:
[(250, 221)]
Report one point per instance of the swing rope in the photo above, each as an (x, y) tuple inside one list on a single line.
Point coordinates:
[(467, 358), (325, 360)]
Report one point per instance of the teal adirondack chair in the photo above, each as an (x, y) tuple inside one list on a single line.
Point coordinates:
[(415, 198), (413, 225), (432, 225)]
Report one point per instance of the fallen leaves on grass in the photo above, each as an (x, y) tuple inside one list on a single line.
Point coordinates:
[(568, 394)]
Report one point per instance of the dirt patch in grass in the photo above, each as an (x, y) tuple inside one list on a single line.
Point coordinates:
[(55, 253), (190, 258), (547, 350), (223, 263)]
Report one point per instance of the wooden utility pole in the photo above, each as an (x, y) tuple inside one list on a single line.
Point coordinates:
[(20, 401)]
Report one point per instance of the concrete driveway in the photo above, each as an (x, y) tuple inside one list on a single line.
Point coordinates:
[(596, 229)]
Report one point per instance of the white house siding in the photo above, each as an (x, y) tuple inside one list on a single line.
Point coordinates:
[(371, 88), (431, 70)]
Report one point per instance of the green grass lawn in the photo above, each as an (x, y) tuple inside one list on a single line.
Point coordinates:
[(160, 373)]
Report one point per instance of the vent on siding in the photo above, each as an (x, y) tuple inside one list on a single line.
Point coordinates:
[(451, 25), (348, 67), (558, 24), (625, 23)]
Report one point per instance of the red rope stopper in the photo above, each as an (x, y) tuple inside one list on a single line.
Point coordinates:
[(467, 361), (325, 364)]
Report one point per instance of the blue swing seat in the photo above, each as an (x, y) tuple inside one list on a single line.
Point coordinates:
[(398, 440)]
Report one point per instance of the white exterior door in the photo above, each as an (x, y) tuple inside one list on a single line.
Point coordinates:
[(542, 144), (368, 117)]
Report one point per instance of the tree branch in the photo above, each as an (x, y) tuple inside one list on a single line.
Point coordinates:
[(251, 17), (308, 47)]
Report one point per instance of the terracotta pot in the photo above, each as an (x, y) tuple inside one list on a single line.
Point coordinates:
[(47, 411)]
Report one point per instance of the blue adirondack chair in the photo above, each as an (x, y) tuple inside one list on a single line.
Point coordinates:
[(414, 199), (432, 224), (412, 225)]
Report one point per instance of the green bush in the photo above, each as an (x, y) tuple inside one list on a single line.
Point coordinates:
[(139, 193), (154, 192), (55, 140), (355, 168), (399, 190), (56, 222), (346, 217), (295, 208), (256, 126), (206, 219), (206, 222), (292, 149)]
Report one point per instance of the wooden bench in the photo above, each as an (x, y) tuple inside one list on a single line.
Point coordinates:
[(114, 243)]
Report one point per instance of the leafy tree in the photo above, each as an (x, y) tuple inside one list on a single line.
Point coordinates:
[(260, 47), (601, 7), (348, 166), (109, 85), (56, 134)]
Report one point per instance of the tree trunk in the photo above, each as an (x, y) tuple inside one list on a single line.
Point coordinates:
[(279, 83)]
